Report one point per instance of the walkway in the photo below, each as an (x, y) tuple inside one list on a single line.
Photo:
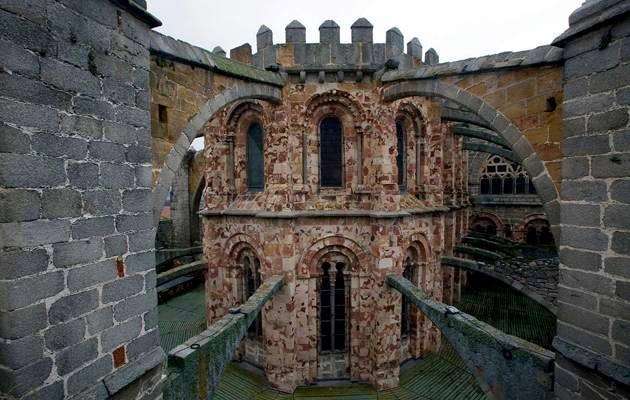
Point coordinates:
[(439, 376), (181, 318)]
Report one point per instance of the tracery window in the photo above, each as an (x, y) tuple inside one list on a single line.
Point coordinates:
[(331, 152), (401, 143), (255, 158), (333, 305), (251, 282), (500, 176)]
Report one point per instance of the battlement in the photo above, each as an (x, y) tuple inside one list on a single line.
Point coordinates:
[(296, 56)]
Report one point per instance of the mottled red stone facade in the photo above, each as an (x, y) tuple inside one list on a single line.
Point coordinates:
[(370, 224)]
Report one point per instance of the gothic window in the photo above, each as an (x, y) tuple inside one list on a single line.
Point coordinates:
[(499, 177), (331, 154), (251, 282), (405, 322), (255, 158), (401, 141), (333, 308)]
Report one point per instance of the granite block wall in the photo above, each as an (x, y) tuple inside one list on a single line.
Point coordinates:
[(594, 297), (77, 286)]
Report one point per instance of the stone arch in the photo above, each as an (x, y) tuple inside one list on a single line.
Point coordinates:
[(414, 159), (194, 126), (496, 121), (237, 243), (340, 98), (414, 114), (241, 109), (343, 106), (495, 219), (238, 120), (359, 258), (420, 243), (532, 219)]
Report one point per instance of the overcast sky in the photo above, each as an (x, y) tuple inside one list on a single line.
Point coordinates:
[(457, 29)]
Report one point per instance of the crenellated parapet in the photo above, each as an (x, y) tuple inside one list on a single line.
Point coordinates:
[(331, 60)]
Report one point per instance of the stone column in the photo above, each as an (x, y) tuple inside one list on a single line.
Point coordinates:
[(593, 342), (78, 305)]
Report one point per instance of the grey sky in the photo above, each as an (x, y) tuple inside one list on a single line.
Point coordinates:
[(456, 29)]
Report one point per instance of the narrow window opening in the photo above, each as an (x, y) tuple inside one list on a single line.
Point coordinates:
[(255, 158), (332, 308), (405, 322), (251, 266), (331, 163), (162, 114), (400, 153)]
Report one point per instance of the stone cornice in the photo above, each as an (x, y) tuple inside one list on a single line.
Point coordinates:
[(539, 56), (327, 213), (139, 12), (590, 16), (592, 360)]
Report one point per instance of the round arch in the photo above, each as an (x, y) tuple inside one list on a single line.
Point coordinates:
[(498, 223), (195, 124), (360, 259), (235, 243), (497, 122)]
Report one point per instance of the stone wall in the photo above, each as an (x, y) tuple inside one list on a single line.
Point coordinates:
[(594, 293), (77, 286)]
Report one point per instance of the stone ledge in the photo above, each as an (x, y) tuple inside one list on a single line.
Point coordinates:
[(185, 269), (324, 213), (139, 12), (122, 377), (592, 360), (541, 55), (507, 200)]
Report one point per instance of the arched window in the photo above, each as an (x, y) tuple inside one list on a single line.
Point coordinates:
[(255, 158), (331, 152), (405, 320), (401, 142), (332, 308), (251, 282)]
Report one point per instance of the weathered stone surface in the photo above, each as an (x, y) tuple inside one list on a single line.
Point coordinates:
[(72, 306)]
